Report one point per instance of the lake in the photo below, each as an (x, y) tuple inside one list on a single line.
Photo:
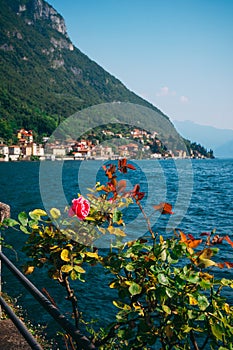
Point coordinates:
[(201, 192)]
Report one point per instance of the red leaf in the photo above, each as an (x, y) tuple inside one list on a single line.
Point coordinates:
[(114, 181), (110, 170), (121, 186), (109, 188), (123, 166), (217, 240), (191, 243), (143, 240), (191, 237), (136, 194), (164, 208), (136, 189), (221, 265), (140, 195), (130, 166), (227, 238), (205, 234), (228, 264)]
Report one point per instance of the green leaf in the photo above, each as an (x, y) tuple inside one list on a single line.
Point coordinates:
[(193, 278), (203, 302), (130, 267), (66, 268), (163, 255), (10, 222), (55, 213), (33, 224), (225, 282), (23, 218), (135, 288), (92, 255), (79, 269), (117, 215), (65, 255), (172, 260), (217, 331), (166, 309), (116, 231), (38, 212), (121, 305), (205, 284), (187, 329), (170, 293), (203, 263), (73, 275), (163, 279), (24, 230)]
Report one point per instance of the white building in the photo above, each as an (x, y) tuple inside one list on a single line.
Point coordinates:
[(4, 152), (14, 152), (59, 151), (156, 155), (37, 150)]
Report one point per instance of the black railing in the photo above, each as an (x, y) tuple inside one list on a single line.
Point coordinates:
[(20, 325), (82, 341)]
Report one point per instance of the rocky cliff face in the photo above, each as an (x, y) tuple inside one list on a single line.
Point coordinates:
[(40, 10)]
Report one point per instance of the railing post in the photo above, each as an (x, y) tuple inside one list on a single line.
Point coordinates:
[(0, 276), (5, 211)]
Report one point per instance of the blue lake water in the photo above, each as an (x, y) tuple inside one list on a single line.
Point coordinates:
[(201, 192)]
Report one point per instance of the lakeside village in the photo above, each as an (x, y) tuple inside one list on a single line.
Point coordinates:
[(139, 145)]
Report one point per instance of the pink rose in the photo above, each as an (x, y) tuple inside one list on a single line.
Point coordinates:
[(80, 207)]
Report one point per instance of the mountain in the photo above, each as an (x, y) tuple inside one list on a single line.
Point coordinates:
[(219, 140), (225, 150), (44, 77)]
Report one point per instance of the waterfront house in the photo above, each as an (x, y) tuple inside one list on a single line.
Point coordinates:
[(24, 137), (4, 152), (14, 152), (103, 152)]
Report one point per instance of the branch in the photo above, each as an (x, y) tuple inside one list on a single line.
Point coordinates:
[(146, 218), (111, 334), (193, 340), (205, 342), (72, 297)]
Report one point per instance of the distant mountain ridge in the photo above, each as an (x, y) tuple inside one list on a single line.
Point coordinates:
[(219, 140), (44, 77)]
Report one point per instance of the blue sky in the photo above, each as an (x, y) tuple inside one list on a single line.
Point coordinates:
[(177, 54)]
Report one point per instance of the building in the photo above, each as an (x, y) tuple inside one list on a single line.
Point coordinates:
[(103, 152), (82, 149), (24, 137), (14, 152), (139, 134), (4, 152)]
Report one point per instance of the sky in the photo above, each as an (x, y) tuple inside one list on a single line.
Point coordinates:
[(177, 54)]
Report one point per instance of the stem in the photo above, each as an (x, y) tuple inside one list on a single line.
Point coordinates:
[(73, 299), (66, 337), (205, 342), (193, 340), (111, 334), (146, 218)]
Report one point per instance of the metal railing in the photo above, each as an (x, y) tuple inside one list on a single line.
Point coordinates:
[(82, 341), (20, 325)]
